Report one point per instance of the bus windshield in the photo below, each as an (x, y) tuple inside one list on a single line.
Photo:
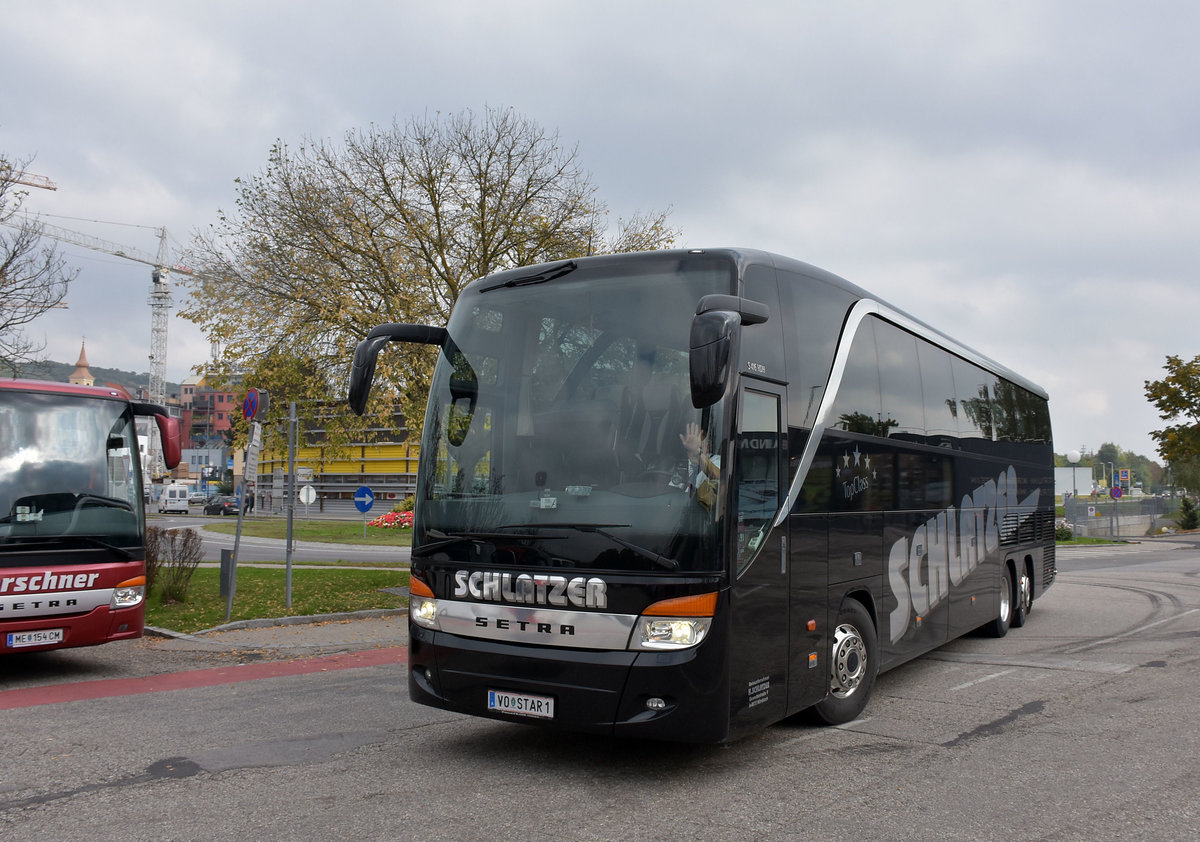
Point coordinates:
[(561, 409), (68, 472)]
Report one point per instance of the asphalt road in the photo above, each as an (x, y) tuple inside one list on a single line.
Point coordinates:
[(1081, 725)]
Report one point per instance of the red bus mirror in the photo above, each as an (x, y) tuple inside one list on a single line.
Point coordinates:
[(172, 444)]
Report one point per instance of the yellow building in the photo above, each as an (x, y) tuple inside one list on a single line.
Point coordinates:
[(388, 468)]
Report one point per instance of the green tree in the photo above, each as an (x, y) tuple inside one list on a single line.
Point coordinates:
[(1177, 398), (33, 277), (1188, 518), (330, 240)]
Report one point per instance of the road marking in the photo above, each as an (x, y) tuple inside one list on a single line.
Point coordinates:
[(191, 679), (981, 680), (1030, 661), (1113, 639)]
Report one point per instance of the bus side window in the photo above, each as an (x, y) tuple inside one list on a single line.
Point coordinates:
[(857, 407), (758, 446), (900, 383), (937, 388), (974, 401)]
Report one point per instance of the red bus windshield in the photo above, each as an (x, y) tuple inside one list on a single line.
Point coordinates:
[(69, 472)]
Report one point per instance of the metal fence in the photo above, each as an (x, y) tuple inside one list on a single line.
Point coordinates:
[(1095, 517)]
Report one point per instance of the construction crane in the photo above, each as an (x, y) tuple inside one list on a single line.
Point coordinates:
[(160, 290), (160, 287), (28, 179)]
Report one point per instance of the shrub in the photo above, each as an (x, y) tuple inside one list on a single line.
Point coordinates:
[(173, 555), (155, 537), (1188, 517), (1063, 533)]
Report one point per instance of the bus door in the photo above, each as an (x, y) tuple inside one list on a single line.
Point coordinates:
[(758, 660)]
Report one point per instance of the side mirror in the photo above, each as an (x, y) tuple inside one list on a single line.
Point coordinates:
[(362, 370), (172, 439), (464, 390), (169, 431), (712, 348), (716, 329)]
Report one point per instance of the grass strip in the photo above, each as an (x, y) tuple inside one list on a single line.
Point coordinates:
[(261, 593), (322, 531)]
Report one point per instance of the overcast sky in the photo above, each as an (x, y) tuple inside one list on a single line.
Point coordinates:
[(1023, 175)]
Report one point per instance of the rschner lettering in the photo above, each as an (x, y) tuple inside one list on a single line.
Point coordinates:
[(947, 547), (531, 588), (47, 581)]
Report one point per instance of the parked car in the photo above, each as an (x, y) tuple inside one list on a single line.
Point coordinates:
[(221, 506), (196, 498)]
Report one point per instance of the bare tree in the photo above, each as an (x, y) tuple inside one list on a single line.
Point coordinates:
[(389, 225), (33, 277)]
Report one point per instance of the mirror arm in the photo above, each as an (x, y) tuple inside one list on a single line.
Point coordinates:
[(362, 371), (751, 312)]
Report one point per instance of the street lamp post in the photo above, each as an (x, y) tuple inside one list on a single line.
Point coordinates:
[(1073, 458)]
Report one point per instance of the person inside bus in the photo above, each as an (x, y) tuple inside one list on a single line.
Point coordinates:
[(704, 472)]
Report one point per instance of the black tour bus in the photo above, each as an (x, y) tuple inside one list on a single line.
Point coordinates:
[(683, 495)]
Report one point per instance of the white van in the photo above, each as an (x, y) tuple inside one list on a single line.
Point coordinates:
[(174, 499)]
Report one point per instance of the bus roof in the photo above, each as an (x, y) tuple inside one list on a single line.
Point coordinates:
[(742, 258), (55, 388)]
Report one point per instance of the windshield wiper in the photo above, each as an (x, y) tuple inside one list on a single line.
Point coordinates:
[(539, 278), (96, 541), (16, 543), (602, 529), (446, 539)]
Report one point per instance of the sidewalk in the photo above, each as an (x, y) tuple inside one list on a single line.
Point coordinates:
[(322, 634)]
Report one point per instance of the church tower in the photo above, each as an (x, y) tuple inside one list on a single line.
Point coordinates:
[(81, 376)]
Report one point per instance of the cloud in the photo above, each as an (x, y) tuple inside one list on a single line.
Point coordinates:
[(1022, 175)]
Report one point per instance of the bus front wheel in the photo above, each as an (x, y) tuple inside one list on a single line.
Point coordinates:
[(853, 665)]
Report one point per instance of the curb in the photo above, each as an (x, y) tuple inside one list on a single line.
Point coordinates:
[(269, 622)]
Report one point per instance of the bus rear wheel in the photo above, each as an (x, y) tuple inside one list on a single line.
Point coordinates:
[(853, 665), (1024, 598), (1000, 626)]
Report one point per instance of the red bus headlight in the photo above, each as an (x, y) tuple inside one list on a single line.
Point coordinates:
[(129, 593)]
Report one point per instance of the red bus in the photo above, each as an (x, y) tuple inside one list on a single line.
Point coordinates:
[(72, 518)]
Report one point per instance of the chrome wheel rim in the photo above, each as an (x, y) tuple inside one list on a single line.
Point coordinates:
[(849, 661), (1025, 589)]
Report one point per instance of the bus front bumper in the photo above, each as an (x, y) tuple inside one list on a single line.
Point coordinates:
[(679, 696)]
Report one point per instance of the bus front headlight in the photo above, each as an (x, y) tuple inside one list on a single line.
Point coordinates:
[(673, 632), (423, 611), (422, 606), (129, 593), (675, 623)]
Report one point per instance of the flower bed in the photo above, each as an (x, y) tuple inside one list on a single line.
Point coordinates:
[(393, 520)]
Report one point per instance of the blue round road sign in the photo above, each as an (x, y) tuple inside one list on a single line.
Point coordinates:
[(1115, 492), (363, 499)]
